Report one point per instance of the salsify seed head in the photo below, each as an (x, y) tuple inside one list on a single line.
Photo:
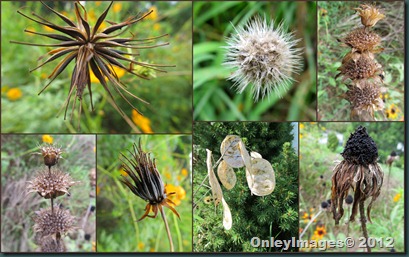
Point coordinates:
[(360, 148), (48, 222), (262, 56)]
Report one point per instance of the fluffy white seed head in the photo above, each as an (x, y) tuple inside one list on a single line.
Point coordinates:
[(262, 56)]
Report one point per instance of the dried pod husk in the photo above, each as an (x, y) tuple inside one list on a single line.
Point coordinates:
[(214, 184), (51, 154), (51, 244), (262, 177), (254, 155), (51, 184), (226, 175), (369, 14), (50, 222), (362, 67), (247, 162), (227, 218), (230, 151), (363, 40)]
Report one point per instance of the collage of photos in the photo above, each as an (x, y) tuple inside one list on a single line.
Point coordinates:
[(203, 127)]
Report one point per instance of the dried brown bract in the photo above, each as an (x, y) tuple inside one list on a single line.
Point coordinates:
[(51, 154), (369, 14)]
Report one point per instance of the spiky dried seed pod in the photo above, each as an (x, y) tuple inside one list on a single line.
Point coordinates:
[(364, 97), (360, 148), (262, 56), (362, 40), (362, 67), (51, 154), (52, 183), (50, 244), (369, 14), (48, 223)]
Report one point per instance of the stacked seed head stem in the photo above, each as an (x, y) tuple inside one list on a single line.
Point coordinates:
[(360, 70), (52, 223)]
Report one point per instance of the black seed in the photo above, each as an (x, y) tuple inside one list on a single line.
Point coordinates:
[(92, 208), (324, 205), (349, 199), (87, 237)]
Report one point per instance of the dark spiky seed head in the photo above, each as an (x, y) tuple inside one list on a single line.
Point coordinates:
[(366, 97), (360, 148), (49, 244), (48, 223), (349, 199), (51, 154), (51, 184), (363, 40), (363, 67)]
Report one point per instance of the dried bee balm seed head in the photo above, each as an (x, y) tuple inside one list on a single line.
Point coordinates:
[(49, 244), (360, 148), (51, 184), (50, 223), (51, 154), (362, 40), (262, 56)]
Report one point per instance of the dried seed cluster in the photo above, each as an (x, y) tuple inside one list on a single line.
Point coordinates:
[(51, 183), (358, 171), (53, 222), (360, 68), (262, 56), (49, 222)]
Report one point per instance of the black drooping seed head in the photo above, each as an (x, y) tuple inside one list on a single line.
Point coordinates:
[(360, 148)]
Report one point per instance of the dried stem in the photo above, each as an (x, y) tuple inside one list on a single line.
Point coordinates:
[(309, 223), (363, 224), (172, 249)]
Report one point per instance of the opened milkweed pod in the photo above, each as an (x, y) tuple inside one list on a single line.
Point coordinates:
[(230, 151), (262, 176), (226, 175)]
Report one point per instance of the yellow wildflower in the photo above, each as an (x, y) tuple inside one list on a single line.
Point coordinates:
[(14, 94), (167, 175), (178, 196), (319, 232), (151, 249), (178, 178), (119, 72), (156, 26), (141, 246), (47, 139), (117, 7), (302, 126), (123, 173), (397, 197), (154, 15), (142, 122), (184, 172), (392, 112)]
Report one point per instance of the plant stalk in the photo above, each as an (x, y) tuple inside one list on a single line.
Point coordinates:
[(363, 224), (162, 212), (309, 223)]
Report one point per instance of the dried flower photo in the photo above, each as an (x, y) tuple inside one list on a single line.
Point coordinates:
[(98, 66), (254, 61), (144, 193), (352, 185), (361, 61), (48, 193)]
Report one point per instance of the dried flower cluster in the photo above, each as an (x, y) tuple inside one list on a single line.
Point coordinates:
[(53, 222), (358, 171), (360, 70), (262, 56), (144, 180), (93, 49)]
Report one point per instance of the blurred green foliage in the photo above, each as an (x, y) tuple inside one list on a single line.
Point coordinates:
[(214, 98), (20, 160), (274, 215), (316, 165), (169, 94), (119, 208), (336, 19)]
